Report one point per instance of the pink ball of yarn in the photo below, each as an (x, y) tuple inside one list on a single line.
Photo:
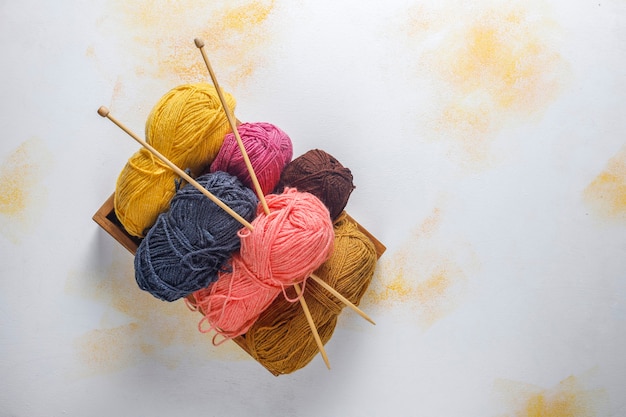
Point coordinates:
[(284, 248), (269, 150)]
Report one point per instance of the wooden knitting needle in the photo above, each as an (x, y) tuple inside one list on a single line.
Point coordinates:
[(104, 112), (233, 125), (200, 45), (341, 298), (309, 318)]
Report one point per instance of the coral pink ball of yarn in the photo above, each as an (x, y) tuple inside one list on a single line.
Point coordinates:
[(269, 150), (284, 248)]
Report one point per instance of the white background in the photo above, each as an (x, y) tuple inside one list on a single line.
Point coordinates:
[(487, 142)]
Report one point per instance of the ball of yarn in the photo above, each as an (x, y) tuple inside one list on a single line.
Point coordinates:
[(192, 241), (284, 248), (268, 148), (322, 175), (281, 339), (187, 126)]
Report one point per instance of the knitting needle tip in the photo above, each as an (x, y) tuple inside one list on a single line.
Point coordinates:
[(199, 42), (103, 111)]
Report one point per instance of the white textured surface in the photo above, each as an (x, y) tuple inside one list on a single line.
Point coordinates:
[(478, 137)]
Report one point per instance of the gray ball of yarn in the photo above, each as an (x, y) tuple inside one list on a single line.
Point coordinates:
[(192, 242)]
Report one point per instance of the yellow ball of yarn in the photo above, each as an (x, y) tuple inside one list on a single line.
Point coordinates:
[(187, 126)]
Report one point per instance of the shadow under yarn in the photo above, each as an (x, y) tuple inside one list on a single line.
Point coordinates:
[(319, 173), (191, 242), (281, 339)]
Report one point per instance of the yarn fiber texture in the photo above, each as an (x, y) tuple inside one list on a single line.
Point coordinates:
[(268, 148), (187, 126), (319, 173), (281, 338), (284, 248), (192, 241)]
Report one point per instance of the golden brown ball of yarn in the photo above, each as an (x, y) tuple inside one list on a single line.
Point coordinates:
[(187, 126), (281, 338)]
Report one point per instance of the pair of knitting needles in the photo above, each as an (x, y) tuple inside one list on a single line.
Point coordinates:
[(104, 112)]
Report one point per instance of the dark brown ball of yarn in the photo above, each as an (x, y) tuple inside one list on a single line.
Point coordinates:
[(322, 175), (281, 339)]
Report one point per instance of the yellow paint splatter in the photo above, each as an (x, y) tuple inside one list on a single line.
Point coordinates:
[(607, 192), (568, 399), (22, 196), (14, 174), (396, 288), (503, 56), (434, 287), (145, 327), (430, 224), (488, 67), (101, 345), (441, 292), (421, 275), (235, 37)]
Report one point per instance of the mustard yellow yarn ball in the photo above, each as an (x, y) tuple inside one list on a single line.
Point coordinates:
[(187, 126)]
